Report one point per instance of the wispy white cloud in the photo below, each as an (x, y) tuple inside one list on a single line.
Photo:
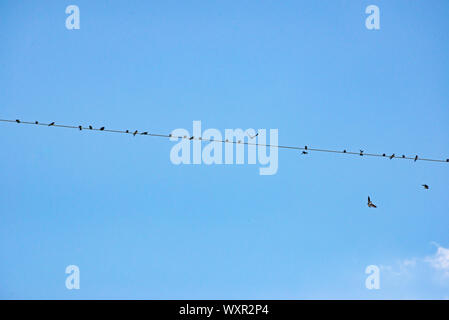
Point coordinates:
[(401, 268), (440, 260)]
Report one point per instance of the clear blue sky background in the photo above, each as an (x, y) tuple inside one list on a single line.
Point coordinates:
[(140, 227)]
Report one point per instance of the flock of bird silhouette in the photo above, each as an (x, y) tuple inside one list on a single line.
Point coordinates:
[(304, 152), (370, 203)]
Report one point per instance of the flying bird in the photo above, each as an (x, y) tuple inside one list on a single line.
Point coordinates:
[(18, 121), (416, 158), (304, 152), (370, 204), (392, 156), (425, 186), (51, 124)]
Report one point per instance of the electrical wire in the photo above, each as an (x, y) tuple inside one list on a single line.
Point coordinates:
[(145, 133)]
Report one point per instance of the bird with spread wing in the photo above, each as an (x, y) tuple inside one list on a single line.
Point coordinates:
[(370, 204)]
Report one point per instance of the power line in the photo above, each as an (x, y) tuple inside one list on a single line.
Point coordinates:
[(305, 149)]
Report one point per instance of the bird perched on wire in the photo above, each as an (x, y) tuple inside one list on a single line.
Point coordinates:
[(127, 131), (344, 151), (90, 127), (102, 128), (17, 120), (144, 133), (403, 156), (425, 186), (370, 204), (305, 147), (80, 127), (392, 156), (36, 122), (51, 124), (416, 158), (361, 152), (135, 132), (191, 138), (383, 154)]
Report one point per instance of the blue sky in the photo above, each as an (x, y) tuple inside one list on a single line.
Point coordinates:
[(140, 227)]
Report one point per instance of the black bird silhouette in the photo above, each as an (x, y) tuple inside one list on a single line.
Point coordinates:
[(361, 152), (447, 160), (403, 156), (144, 133), (127, 131), (51, 124), (135, 132), (304, 152), (305, 147), (80, 127), (425, 186), (344, 151), (36, 122), (191, 138), (370, 204), (416, 158), (392, 156), (90, 127), (383, 155), (18, 121), (102, 128)]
